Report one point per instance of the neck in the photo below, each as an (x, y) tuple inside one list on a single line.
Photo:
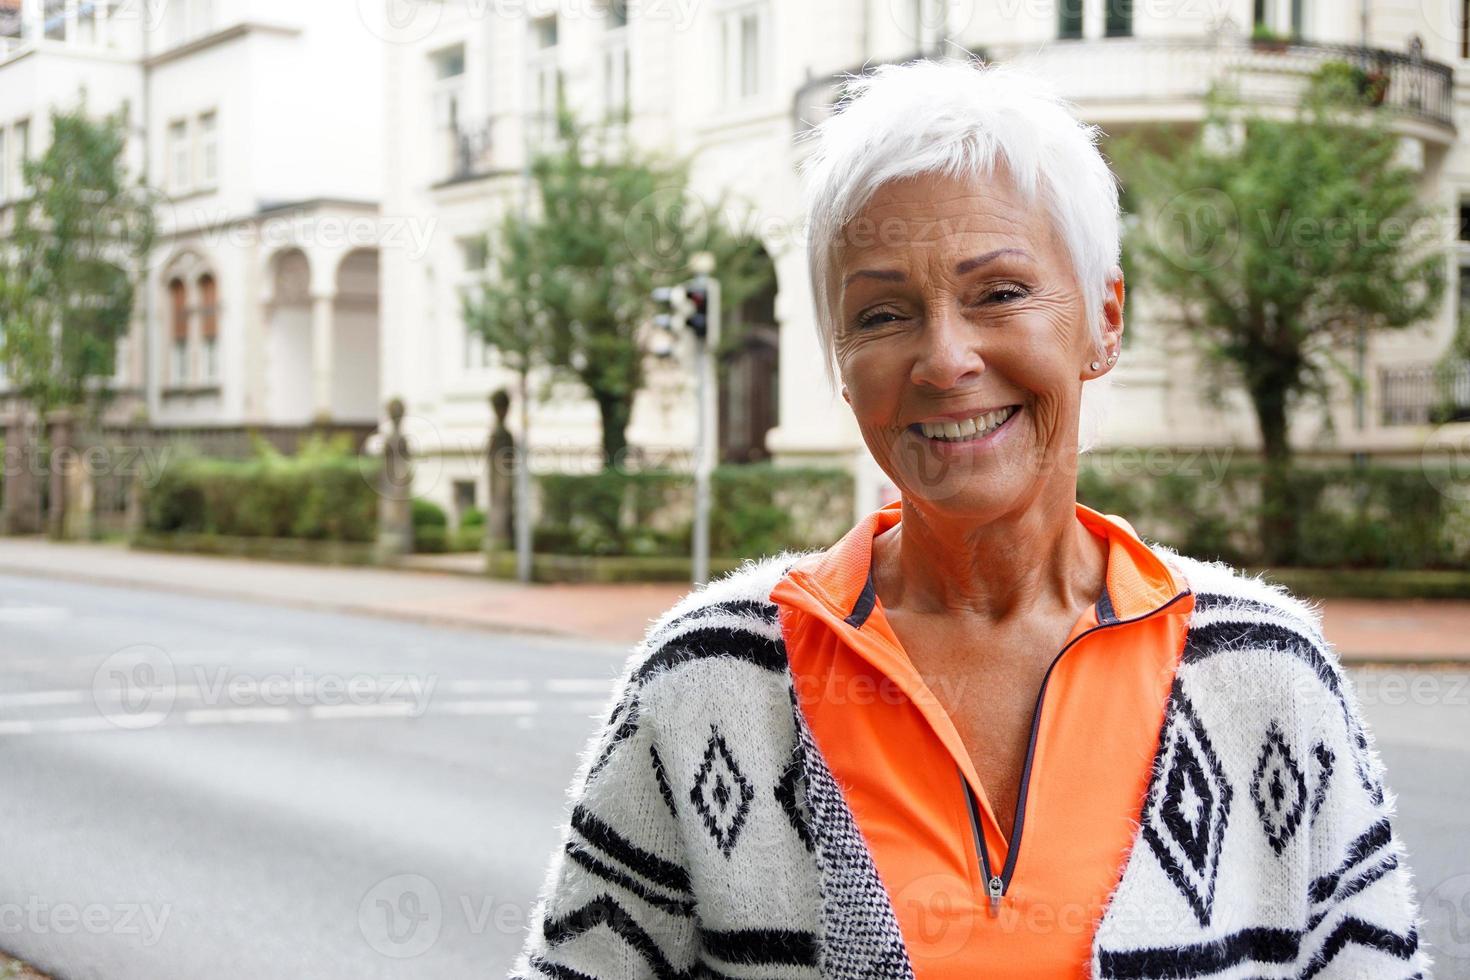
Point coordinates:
[(1037, 560)]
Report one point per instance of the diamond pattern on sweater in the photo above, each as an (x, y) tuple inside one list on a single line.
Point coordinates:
[(791, 795), (1188, 807), (1322, 760), (721, 793), (1279, 789)]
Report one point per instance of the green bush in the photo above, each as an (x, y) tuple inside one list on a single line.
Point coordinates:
[(426, 513), (1342, 517), (756, 509), (472, 517), (318, 495)]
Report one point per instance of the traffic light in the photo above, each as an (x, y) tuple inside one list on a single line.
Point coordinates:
[(697, 293), (672, 321)]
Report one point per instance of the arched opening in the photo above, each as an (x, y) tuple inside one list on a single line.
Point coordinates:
[(749, 377), (209, 327), (355, 339), (178, 348)]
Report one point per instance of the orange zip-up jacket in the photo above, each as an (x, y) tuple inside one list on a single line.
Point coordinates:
[(969, 902)]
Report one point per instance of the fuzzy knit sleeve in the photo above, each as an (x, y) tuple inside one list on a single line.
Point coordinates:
[(1266, 845), (617, 899), (1363, 914)]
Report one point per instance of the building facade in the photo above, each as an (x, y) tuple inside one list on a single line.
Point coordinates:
[(260, 123), (732, 83)]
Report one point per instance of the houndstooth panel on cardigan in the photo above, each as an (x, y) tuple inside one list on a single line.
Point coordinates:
[(708, 838)]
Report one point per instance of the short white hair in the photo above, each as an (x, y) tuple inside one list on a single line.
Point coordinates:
[(958, 119)]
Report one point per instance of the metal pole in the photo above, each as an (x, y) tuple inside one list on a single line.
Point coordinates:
[(707, 444), (523, 454)]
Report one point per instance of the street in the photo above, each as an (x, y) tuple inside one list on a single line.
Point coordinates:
[(193, 787)]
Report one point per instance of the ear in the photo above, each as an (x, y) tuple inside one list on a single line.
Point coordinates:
[(1112, 332), (846, 397)]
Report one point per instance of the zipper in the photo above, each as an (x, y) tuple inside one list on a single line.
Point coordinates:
[(996, 885)]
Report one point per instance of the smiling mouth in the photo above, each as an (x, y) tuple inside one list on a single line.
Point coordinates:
[(968, 430)]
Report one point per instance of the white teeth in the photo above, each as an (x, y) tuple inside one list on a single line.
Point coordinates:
[(971, 428)]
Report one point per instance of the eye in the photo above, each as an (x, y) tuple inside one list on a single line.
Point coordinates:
[(1006, 294), (872, 318)]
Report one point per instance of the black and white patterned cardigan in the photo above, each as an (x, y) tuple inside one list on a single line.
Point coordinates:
[(707, 838)]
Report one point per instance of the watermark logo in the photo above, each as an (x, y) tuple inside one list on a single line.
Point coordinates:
[(401, 916), (134, 688)]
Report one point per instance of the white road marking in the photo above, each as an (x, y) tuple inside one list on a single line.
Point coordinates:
[(501, 707), (580, 685), (235, 716)]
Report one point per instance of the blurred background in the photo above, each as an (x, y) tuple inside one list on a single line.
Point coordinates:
[(347, 450)]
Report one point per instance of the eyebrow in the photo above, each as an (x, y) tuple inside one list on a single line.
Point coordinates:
[(968, 265)]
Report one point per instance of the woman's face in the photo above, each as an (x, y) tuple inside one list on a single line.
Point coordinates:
[(958, 304)]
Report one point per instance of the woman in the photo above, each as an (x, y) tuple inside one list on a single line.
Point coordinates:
[(990, 732)]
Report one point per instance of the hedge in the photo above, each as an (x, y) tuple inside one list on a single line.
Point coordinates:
[(329, 498), (1343, 517), (757, 509)]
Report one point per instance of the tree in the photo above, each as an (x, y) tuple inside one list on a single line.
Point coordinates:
[(69, 262), (572, 282), (1283, 243)]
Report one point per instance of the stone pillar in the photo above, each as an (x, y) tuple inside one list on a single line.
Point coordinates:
[(322, 309), (395, 491), (62, 458), (500, 515), (22, 514)]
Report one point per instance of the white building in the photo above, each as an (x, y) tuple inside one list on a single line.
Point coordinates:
[(261, 122), (729, 83)]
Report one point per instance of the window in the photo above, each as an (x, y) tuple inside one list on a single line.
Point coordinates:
[(742, 42), (476, 253), (1465, 220), (543, 31), (209, 325), (617, 14), (448, 63), (1120, 18), (87, 23), (1465, 28), (1069, 19), (208, 150), (178, 297), (1282, 16), (616, 78), (20, 152), (54, 20), (179, 174)]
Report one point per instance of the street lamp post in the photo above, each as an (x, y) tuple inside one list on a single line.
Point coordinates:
[(696, 305), (706, 342)]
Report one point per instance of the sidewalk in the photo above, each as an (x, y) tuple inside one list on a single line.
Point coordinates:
[(442, 590), (616, 614)]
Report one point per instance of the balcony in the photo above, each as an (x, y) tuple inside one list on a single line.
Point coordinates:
[(63, 25), (1129, 79), (1425, 394)]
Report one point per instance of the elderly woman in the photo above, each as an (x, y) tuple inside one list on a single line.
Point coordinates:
[(989, 732)]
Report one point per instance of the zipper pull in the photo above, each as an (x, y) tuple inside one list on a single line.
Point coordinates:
[(996, 888)]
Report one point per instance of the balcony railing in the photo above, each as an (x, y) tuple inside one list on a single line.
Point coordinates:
[(1425, 394), (469, 151), (1138, 72)]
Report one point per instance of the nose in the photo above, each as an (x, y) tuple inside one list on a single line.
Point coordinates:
[(949, 353)]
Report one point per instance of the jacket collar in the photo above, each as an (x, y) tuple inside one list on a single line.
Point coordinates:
[(1138, 581)]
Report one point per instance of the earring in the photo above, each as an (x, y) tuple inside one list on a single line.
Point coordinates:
[(1095, 366), (1113, 357)]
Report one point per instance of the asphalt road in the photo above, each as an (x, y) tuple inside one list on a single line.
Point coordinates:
[(197, 788)]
